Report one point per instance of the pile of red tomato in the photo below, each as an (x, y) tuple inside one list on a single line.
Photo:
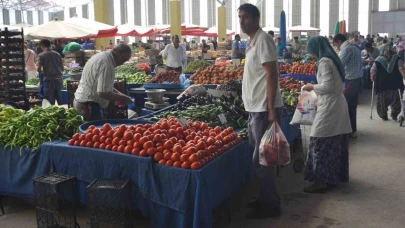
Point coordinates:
[(167, 141)]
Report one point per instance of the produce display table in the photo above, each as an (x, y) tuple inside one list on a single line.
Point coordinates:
[(140, 95), (299, 77), (32, 90)]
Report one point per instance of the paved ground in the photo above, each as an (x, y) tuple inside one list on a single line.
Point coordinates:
[(374, 197)]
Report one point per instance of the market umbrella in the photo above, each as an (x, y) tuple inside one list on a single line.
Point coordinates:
[(211, 32), (10, 27), (104, 30), (337, 26), (60, 30), (23, 25), (300, 28), (270, 28), (283, 28), (134, 30)]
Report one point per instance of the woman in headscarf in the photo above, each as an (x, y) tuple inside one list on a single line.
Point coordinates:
[(387, 73), (328, 159)]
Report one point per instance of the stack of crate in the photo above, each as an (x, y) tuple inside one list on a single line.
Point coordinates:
[(74, 57)]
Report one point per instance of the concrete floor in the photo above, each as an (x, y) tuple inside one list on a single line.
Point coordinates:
[(374, 197)]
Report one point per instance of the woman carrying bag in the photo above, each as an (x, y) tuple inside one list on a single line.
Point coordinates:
[(328, 155)]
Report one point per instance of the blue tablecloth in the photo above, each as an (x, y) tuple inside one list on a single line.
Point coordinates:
[(299, 77), (172, 197)]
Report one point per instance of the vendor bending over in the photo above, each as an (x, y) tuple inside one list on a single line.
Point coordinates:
[(96, 88)]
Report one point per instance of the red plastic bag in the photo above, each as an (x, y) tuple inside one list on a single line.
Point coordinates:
[(274, 148)]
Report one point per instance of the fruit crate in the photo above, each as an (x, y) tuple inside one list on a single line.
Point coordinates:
[(54, 196), (71, 87), (12, 74), (114, 110), (109, 203)]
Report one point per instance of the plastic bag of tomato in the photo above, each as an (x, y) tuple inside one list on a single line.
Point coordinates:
[(169, 143)]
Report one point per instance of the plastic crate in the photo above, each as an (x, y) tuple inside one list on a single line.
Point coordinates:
[(109, 203), (113, 111), (55, 201)]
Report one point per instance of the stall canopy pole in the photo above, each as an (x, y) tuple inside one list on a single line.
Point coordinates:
[(175, 18), (101, 15)]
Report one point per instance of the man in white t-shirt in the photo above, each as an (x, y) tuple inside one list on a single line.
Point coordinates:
[(262, 99), (174, 55)]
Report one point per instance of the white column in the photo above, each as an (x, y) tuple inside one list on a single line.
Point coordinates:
[(117, 12), (46, 16), (66, 12), (363, 13), (24, 17), (12, 17), (306, 13), (269, 13), (91, 10), (1, 17), (187, 16), (144, 12), (131, 13), (35, 17), (203, 13), (324, 15), (79, 11)]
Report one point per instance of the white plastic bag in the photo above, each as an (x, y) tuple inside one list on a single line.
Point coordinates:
[(194, 90), (274, 148), (306, 108)]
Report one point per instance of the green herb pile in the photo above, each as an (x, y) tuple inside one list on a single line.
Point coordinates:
[(193, 66), (39, 125), (32, 81)]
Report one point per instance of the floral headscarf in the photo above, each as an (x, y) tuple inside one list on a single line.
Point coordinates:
[(387, 57)]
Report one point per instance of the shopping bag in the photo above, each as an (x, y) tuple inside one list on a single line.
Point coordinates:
[(306, 108), (274, 149)]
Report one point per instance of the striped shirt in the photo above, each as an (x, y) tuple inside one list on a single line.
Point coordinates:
[(351, 58), (97, 77)]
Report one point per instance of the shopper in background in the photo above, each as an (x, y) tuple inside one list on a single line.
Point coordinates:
[(356, 41), (271, 33), (388, 73), (370, 52), (262, 99), (328, 155), (281, 48), (174, 55), (236, 52), (96, 87), (215, 43), (296, 46), (30, 62), (194, 45), (50, 67), (351, 58)]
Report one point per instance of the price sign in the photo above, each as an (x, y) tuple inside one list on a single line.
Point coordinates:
[(182, 121), (222, 118)]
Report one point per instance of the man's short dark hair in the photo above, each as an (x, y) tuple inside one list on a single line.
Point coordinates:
[(236, 36), (339, 37), (368, 45), (271, 33), (45, 43), (250, 9), (123, 49)]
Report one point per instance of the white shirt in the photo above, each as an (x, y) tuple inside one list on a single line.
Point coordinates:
[(261, 49), (97, 77), (174, 56), (332, 114)]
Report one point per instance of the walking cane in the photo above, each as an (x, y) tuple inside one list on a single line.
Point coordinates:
[(372, 102)]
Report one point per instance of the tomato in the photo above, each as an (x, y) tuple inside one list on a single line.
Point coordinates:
[(189, 138), (160, 149), (230, 130), (102, 146), (173, 139), (179, 130), (166, 151), (177, 164), (83, 143), (159, 144), (191, 150), (108, 141), (147, 145), (182, 142), (147, 133), (76, 136), (121, 148), (89, 144), (135, 151), (193, 158), (115, 148), (128, 136), (201, 145), (127, 149), (116, 141), (117, 134), (110, 134), (172, 132), (217, 129), (96, 138), (210, 141), (178, 149), (202, 162), (184, 157), (122, 142), (206, 133), (240, 139), (212, 134), (130, 142), (82, 137), (77, 143), (169, 162), (157, 138), (168, 144), (88, 137), (137, 145), (227, 139), (185, 165), (175, 157), (71, 142), (109, 147), (179, 136), (102, 139), (143, 140), (204, 126), (196, 165), (218, 137), (122, 128), (167, 156), (218, 143), (106, 127), (143, 153), (95, 131), (158, 156), (91, 127), (131, 128), (136, 137), (151, 151), (196, 139), (96, 145), (165, 125), (138, 130)]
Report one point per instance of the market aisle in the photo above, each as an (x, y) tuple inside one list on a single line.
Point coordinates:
[(373, 198)]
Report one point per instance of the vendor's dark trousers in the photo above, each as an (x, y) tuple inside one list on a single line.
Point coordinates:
[(352, 90), (388, 98), (258, 124), (53, 89)]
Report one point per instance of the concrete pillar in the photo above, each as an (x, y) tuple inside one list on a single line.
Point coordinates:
[(101, 15), (333, 15), (296, 12), (269, 13), (353, 20), (175, 18), (373, 7), (393, 5), (221, 22), (315, 13), (278, 7), (1, 17)]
